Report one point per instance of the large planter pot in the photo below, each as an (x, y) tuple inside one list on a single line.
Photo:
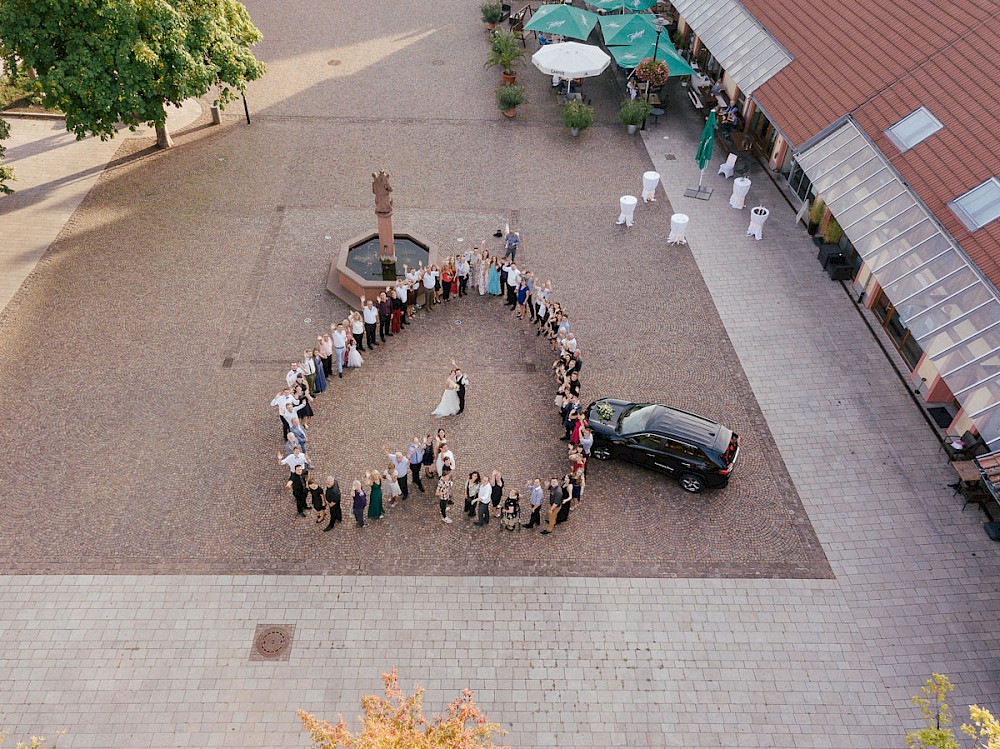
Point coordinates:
[(574, 131), (812, 229), (509, 79), (491, 27), (632, 129), (509, 112)]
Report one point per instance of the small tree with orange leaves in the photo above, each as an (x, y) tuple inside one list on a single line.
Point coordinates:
[(397, 720)]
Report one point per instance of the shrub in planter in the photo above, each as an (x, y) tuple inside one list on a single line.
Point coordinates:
[(505, 52), (577, 116), (816, 211), (509, 98), (634, 112), (491, 14), (832, 233)]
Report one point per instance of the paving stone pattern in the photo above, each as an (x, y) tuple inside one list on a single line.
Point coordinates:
[(165, 461), (133, 346)]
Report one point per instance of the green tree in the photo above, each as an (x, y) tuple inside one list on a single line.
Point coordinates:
[(106, 62), (6, 173), (937, 734)]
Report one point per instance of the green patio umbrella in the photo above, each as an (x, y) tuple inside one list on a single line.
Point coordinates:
[(628, 29), (703, 156), (629, 57), (564, 20), (622, 5)]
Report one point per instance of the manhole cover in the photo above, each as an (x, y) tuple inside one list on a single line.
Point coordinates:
[(334, 63), (272, 642), (437, 62), (529, 366), (307, 320), (227, 363)]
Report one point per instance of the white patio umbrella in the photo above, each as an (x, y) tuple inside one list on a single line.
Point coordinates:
[(571, 60)]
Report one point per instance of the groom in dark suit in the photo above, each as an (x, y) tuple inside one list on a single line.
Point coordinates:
[(462, 381)]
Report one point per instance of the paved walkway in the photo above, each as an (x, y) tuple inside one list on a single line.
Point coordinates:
[(54, 173), (163, 661)]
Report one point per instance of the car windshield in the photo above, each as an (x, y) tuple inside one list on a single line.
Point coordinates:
[(635, 419)]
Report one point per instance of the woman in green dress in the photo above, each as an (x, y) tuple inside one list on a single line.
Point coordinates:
[(375, 496)]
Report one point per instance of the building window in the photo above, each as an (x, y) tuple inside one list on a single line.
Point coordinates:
[(979, 205), (913, 128)]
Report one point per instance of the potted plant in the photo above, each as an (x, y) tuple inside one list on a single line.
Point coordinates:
[(634, 112), (832, 233), (509, 98), (577, 116), (656, 72), (505, 52), (816, 211), (491, 14)]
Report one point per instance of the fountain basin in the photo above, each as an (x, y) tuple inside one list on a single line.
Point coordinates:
[(357, 269)]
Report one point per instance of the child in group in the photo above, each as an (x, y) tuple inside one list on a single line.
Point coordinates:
[(353, 357)]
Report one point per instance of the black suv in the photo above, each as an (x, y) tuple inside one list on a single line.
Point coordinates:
[(697, 451)]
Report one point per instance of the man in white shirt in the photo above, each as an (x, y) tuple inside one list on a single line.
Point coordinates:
[(294, 371), (281, 400), (513, 277), (401, 464), (370, 315), (297, 458), (428, 282), (403, 294), (483, 505), (339, 347)]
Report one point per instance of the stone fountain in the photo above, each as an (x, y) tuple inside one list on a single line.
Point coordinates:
[(366, 264)]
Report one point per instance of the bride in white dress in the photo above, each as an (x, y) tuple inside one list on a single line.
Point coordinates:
[(449, 401)]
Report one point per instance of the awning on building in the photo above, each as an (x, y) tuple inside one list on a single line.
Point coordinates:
[(948, 306), (744, 48)]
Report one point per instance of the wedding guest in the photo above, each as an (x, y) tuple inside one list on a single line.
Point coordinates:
[(357, 325), (390, 480), (483, 273), (443, 493), (445, 456), (295, 459), (566, 486), (320, 366), (332, 496), (354, 359), (301, 392), (586, 440), (384, 305), (358, 506), (403, 295), (537, 496), (397, 312), (375, 510), (471, 493), (282, 400), (555, 503), (493, 278), (496, 490), (308, 367), (339, 337), (513, 278), (370, 315), (439, 438), (511, 244), (429, 280), (484, 498), (521, 298), (300, 490), (462, 270), (326, 353), (317, 501), (291, 413), (415, 454), (295, 428), (290, 443), (428, 459), (504, 274), (294, 371), (447, 276), (401, 466)]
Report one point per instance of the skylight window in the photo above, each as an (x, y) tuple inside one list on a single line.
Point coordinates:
[(979, 206), (913, 128)]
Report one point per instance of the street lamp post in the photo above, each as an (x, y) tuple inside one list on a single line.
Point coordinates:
[(660, 24)]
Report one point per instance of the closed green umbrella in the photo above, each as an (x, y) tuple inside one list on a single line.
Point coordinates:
[(564, 20), (703, 156)]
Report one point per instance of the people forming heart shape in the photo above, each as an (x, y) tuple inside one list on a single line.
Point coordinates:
[(385, 317)]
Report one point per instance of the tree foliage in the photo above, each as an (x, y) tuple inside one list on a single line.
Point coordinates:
[(937, 733), (6, 173), (105, 62), (397, 721)]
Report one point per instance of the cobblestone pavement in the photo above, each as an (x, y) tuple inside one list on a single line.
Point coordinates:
[(165, 460), (233, 234)]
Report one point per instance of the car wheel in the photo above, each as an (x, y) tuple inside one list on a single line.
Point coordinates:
[(691, 483), (601, 452)]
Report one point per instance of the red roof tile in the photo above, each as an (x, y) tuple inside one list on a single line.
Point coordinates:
[(879, 61)]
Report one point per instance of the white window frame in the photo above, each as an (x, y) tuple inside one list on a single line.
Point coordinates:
[(971, 222), (905, 145)]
